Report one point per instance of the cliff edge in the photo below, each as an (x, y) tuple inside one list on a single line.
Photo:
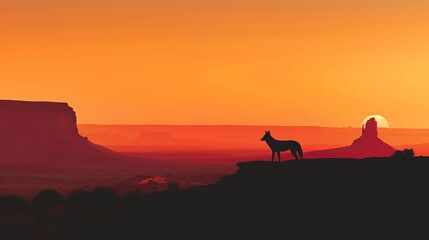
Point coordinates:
[(43, 131)]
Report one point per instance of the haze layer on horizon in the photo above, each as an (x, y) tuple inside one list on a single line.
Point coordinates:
[(299, 63)]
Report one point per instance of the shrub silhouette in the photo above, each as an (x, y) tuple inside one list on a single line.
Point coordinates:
[(12, 203), (103, 198), (79, 199), (355, 199), (406, 154), (46, 200), (99, 199)]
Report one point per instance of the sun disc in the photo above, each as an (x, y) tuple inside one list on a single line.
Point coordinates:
[(381, 121)]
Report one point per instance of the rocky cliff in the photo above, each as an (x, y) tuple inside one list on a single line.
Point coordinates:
[(367, 145), (311, 199), (23, 122), (42, 131), (21, 117)]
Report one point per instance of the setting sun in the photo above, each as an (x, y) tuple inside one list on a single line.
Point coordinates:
[(194, 119), (263, 62), (381, 121)]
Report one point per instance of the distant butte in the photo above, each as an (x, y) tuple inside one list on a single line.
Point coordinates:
[(20, 118), (32, 132), (367, 145)]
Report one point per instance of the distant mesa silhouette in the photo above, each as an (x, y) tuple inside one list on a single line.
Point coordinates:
[(278, 146), (367, 145), (31, 132), (166, 139)]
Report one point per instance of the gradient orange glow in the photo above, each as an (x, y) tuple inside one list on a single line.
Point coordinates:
[(263, 62)]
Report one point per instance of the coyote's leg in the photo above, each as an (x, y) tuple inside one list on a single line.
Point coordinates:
[(278, 154), (294, 154), (272, 157)]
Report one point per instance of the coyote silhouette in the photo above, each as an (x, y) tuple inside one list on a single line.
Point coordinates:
[(281, 146)]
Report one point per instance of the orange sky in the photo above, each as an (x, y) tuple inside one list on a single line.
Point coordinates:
[(263, 62)]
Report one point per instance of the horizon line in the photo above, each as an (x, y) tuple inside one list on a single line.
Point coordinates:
[(233, 125)]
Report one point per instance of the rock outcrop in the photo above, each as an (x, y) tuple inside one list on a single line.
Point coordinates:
[(42, 131), (24, 117), (312, 199), (367, 145)]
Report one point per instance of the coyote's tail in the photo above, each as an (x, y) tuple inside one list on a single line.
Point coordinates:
[(300, 152)]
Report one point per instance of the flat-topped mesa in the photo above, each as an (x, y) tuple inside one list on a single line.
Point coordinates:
[(18, 118), (45, 133), (40, 127)]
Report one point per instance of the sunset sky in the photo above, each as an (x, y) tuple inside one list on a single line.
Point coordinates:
[(257, 62)]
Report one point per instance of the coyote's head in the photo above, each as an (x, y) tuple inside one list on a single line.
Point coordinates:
[(266, 136)]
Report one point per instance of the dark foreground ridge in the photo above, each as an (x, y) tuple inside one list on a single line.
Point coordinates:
[(374, 198)]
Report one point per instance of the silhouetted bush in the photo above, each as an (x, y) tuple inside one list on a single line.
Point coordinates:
[(335, 199), (103, 198), (99, 199), (132, 199), (79, 199), (104, 192), (12, 203), (46, 200), (405, 154)]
